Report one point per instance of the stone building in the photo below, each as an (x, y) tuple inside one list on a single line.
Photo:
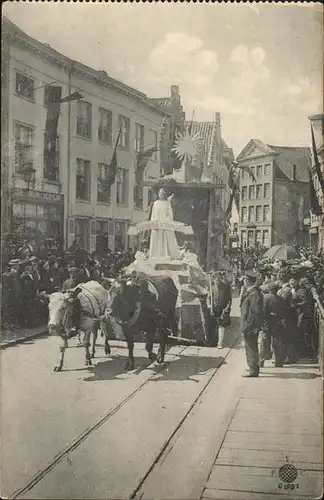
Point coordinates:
[(274, 204), (316, 227), (72, 199)]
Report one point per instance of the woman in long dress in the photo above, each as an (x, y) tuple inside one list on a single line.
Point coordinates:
[(163, 242)]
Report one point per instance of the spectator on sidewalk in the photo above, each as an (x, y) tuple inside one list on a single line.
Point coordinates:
[(219, 304), (273, 308), (252, 321)]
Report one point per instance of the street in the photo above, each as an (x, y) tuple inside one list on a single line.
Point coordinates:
[(99, 432)]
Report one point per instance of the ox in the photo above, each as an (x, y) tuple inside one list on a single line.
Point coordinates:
[(93, 300), (144, 304)]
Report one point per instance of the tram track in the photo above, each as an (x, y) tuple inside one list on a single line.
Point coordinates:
[(82, 437), (86, 433)]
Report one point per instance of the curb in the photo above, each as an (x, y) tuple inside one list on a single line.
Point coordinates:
[(20, 340)]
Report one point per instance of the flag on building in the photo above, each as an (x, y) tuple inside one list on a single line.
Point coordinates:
[(112, 171), (53, 105), (314, 203), (317, 164), (176, 162), (143, 157), (75, 96)]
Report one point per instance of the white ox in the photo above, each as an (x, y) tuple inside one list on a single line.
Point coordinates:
[(93, 299)]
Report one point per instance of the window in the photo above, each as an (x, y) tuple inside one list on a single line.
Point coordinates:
[(139, 137), (154, 143), (122, 186), (244, 174), (267, 169), (250, 238), (23, 147), (251, 214), (266, 213), (244, 193), (259, 191), (266, 190), (103, 189), (138, 196), (82, 233), (259, 213), (259, 170), (120, 235), (252, 172), (51, 162), (243, 238), (258, 237), (25, 87), (84, 119), (52, 221), (124, 132), (265, 238), (83, 180), (105, 126), (251, 192), (244, 214)]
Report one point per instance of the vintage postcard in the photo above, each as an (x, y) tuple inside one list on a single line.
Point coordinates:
[(162, 250)]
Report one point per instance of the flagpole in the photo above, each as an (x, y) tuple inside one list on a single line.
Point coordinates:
[(68, 208)]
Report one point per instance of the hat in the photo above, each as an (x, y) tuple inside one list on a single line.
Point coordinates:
[(14, 262), (74, 269), (249, 273)]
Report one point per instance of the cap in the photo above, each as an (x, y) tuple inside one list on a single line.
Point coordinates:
[(14, 262)]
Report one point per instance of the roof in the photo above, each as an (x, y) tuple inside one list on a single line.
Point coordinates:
[(101, 77), (287, 157), (207, 132), (163, 102)]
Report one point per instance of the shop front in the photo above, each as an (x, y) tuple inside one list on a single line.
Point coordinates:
[(37, 215)]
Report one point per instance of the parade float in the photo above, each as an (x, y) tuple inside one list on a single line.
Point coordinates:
[(177, 239)]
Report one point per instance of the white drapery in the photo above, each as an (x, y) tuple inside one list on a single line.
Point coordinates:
[(163, 242)]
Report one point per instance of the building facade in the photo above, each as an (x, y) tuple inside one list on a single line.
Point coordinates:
[(71, 199), (316, 222), (275, 201)]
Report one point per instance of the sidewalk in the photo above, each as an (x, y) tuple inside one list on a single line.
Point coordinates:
[(12, 337), (241, 432), (273, 444)]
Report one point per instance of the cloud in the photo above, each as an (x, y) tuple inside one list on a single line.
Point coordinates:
[(182, 58), (303, 94)]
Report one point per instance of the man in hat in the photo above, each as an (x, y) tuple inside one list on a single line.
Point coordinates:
[(285, 292), (219, 303), (252, 321), (304, 303), (273, 327)]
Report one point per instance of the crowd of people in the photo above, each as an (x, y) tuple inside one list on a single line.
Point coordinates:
[(28, 271), (277, 301)]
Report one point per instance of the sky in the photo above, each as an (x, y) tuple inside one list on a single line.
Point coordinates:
[(260, 66)]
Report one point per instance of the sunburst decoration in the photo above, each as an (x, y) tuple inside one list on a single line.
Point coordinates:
[(186, 146)]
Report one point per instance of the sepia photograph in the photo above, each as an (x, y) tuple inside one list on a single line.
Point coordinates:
[(162, 250)]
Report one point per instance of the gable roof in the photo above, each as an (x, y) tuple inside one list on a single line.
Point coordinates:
[(208, 134), (287, 157), (255, 148)]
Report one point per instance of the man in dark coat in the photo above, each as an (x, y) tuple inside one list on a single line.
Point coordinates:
[(219, 304), (251, 322), (273, 327)]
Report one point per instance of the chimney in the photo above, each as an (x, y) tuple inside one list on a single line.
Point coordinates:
[(294, 172), (218, 129), (174, 90)]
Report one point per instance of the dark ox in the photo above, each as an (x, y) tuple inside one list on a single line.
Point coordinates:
[(61, 307), (142, 304)]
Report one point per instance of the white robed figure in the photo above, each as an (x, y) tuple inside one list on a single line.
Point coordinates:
[(163, 243)]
